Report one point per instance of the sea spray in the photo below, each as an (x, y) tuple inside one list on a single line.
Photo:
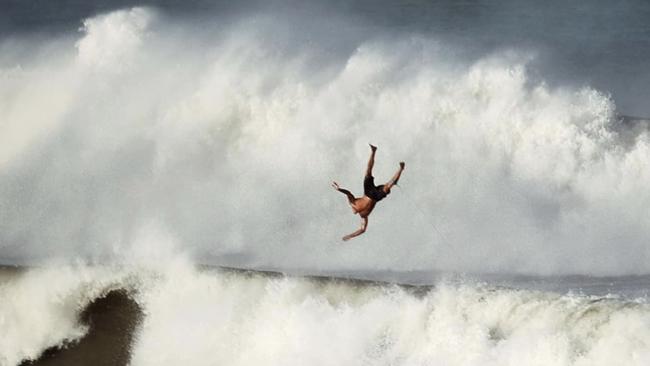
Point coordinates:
[(227, 141)]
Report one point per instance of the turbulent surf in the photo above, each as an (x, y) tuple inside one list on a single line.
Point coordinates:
[(144, 149), (208, 317)]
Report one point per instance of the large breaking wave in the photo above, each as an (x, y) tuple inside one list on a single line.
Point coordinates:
[(143, 137), (236, 318)]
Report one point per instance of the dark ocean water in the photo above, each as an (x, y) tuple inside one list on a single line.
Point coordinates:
[(112, 320)]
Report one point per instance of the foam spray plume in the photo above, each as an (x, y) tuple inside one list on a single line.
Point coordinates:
[(144, 145), (135, 138)]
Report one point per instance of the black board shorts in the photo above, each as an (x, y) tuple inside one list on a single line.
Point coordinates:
[(375, 193)]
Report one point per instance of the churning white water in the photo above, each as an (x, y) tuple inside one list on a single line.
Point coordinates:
[(214, 317), (143, 139), (221, 140)]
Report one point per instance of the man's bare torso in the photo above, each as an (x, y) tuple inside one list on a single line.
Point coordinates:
[(363, 206)]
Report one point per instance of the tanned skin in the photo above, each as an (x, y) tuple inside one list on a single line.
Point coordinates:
[(364, 205)]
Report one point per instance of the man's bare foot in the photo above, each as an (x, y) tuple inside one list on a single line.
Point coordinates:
[(346, 238), (373, 147), (335, 185)]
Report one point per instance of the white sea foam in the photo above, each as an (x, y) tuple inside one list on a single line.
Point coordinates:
[(215, 317), (225, 138), (111, 39), (235, 319)]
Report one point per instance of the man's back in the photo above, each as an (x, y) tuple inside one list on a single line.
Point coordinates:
[(372, 194), (363, 206)]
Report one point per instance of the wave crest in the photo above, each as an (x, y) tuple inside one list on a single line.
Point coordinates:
[(219, 136)]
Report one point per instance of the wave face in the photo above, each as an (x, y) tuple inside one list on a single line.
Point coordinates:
[(143, 136), (239, 318), (41, 308)]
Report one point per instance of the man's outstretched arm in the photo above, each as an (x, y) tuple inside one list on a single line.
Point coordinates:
[(362, 229), (395, 178)]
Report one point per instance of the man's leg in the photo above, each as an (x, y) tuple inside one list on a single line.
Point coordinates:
[(395, 178), (362, 229), (345, 192), (371, 161)]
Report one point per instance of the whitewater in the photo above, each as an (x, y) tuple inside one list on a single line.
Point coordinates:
[(146, 154), (215, 317)]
